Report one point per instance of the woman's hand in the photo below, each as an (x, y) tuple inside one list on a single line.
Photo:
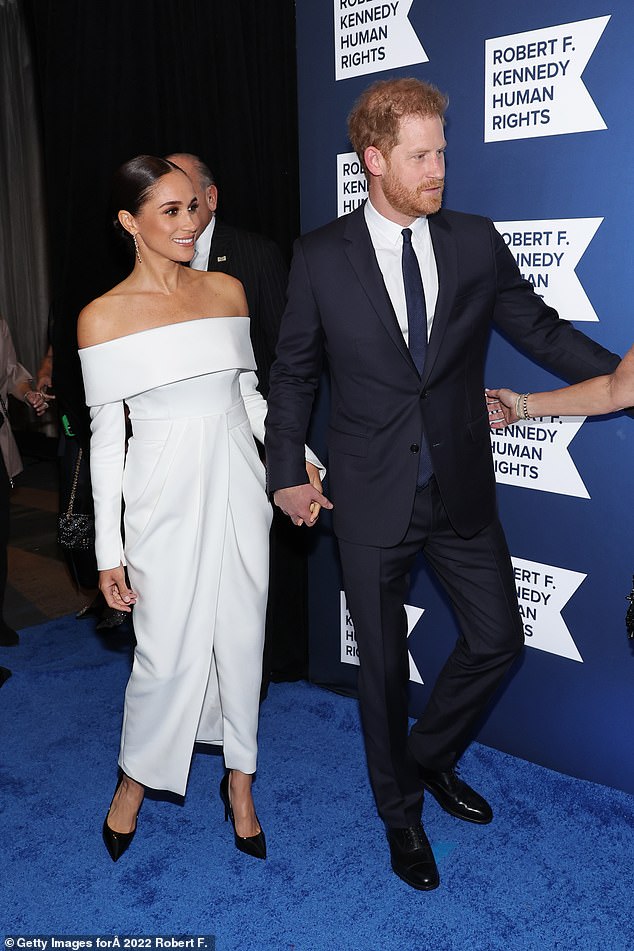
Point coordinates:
[(501, 405), (112, 585), (315, 480), (38, 401)]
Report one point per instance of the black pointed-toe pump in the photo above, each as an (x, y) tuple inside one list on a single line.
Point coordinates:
[(116, 842), (254, 845)]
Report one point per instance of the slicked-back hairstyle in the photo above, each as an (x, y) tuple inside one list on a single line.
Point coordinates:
[(376, 115), (132, 184)]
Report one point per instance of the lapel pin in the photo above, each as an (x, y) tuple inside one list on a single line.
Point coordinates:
[(223, 258)]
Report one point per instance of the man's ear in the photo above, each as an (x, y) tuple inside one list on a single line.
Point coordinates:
[(211, 197), (374, 161)]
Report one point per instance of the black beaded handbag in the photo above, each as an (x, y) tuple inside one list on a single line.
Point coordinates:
[(75, 532)]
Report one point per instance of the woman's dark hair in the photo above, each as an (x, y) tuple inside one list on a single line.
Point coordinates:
[(132, 183)]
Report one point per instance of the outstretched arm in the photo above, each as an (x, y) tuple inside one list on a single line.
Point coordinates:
[(602, 394)]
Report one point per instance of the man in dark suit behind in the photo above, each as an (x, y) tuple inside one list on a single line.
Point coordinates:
[(258, 263), (400, 297)]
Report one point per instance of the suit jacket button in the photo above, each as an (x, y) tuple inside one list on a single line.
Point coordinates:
[(414, 447)]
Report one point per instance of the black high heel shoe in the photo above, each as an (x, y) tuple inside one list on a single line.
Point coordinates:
[(254, 845), (116, 842)]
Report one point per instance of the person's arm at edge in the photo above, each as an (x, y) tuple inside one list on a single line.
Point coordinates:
[(602, 394)]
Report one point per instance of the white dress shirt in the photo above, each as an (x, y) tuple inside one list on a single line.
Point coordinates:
[(387, 240), (200, 259)]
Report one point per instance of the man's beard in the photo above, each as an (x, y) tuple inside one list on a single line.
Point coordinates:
[(412, 202)]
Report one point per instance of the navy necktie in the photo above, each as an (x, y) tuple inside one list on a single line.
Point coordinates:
[(417, 335)]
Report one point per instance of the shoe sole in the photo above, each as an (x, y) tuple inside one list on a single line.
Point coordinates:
[(453, 812)]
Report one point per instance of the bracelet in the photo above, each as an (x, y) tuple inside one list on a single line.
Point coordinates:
[(521, 406)]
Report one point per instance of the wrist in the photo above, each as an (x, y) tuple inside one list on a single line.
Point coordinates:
[(521, 406)]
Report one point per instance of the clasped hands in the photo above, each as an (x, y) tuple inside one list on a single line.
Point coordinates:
[(38, 400), (303, 503)]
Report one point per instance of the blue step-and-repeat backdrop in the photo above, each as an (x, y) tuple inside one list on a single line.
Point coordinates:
[(540, 138)]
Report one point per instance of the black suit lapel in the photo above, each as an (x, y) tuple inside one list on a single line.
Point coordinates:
[(362, 257), (447, 266), (221, 249)]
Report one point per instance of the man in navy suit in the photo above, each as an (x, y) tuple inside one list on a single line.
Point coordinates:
[(399, 297)]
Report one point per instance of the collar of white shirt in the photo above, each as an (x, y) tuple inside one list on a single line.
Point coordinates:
[(386, 233), (200, 259)]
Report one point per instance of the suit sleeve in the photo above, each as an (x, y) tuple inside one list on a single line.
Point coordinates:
[(271, 297), (294, 379), (107, 457), (537, 329)]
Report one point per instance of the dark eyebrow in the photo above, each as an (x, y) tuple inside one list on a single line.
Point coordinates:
[(175, 201)]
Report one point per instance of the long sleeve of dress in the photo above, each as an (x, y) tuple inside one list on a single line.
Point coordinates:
[(256, 408), (254, 403), (107, 457)]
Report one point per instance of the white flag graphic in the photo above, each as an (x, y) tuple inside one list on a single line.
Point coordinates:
[(542, 593), (535, 455), (352, 185), (374, 36), (533, 84), (414, 615), (349, 652), (547, 253)]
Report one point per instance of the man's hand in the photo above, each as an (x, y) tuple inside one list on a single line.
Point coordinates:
[(112, 585), (303, 503)]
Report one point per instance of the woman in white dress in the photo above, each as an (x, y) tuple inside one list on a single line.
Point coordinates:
[(173, 344)]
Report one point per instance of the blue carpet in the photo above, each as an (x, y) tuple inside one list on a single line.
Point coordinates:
[(554, 870)]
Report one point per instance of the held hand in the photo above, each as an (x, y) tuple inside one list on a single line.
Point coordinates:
[(297, 502), (38, 401), (112, 585), (501, 405), (315, 480)]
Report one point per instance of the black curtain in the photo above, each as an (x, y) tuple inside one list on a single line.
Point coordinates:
[(122, 77)]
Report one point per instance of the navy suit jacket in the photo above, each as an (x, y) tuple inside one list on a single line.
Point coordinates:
[(258, 263), (338, 308)]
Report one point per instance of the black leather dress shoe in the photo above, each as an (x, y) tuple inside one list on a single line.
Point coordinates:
[(412, 857), (456, 797)]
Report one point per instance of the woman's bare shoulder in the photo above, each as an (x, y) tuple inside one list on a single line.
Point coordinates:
[(224, 294), (99, 321)]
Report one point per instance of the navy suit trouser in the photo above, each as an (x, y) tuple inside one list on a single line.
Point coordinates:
[(477, 575)]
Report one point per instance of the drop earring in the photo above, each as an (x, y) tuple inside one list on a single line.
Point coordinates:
[(136, 249)]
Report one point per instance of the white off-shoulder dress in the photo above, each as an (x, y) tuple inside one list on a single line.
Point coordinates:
[(196, 536)]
